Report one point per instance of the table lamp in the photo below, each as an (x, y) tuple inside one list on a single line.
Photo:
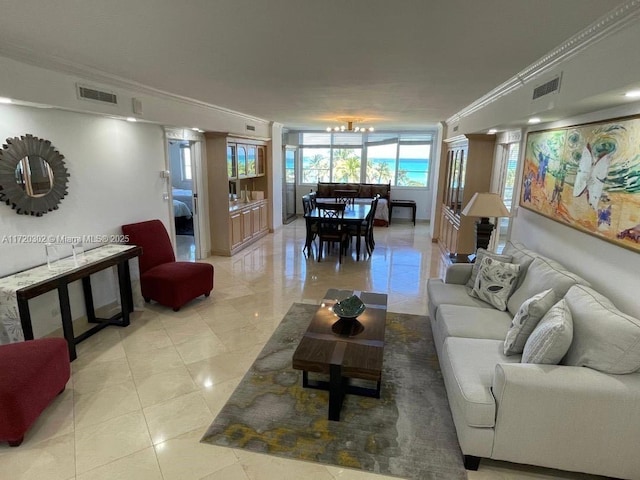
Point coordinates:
[(485, 205)]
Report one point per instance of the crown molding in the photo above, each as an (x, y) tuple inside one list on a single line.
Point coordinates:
[(610, 23), (60, 65)]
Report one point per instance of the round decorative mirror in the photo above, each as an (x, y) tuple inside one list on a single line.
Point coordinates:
[(33, 178)]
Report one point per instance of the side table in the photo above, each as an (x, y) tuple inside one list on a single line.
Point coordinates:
[(403, 203)]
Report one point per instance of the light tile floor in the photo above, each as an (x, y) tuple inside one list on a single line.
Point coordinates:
[(140, 398)]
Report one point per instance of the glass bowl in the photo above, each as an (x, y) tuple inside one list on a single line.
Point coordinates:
[(349, 307)]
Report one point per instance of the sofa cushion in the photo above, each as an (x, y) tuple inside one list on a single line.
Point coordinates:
[(527, 318), (471, 322), (382, 190), (325, 190), (468, 366), (604, 338), (495, 282), (441, 293), (551, 338), (365, 191), (480, 254), (540, 276), (520, 255)]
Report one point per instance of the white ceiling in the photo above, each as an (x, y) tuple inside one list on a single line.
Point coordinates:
[(401, 64)]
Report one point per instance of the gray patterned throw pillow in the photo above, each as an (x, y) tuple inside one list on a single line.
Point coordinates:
[(480, 254), (495, 282), (551, 339), (528, 316)]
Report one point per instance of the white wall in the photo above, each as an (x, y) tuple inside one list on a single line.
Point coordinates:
[(114, 169)]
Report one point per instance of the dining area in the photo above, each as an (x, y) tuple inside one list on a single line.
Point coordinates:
[(338, 222)]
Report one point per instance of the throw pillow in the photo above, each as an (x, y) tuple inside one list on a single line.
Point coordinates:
[(480, 254), (526, 320), (604, 338), (495, 282), (551, 339)]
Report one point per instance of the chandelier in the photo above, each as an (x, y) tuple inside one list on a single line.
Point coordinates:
[(350, 128)]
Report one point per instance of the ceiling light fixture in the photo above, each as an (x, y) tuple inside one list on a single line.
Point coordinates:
[(131, 119), (350, 128), (492, 131), (5, 100), (633, 94), (534, 120)]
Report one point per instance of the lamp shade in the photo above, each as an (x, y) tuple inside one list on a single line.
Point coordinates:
[(485, 205)]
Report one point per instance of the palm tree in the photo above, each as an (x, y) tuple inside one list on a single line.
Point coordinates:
[(378, 172), (315, 165), (346, 165)]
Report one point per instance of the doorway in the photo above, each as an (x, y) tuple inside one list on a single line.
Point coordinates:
[(183, 155), (289, 185)]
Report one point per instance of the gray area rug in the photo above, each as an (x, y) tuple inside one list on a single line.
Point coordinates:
[(408, 432)]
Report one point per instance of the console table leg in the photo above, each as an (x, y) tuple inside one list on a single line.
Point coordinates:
[(88, 299), (124, 281), (25, 318), (67, 321)]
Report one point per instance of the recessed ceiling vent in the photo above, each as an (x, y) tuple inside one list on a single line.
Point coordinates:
[(251, 128), (93, 94), (455, 129), (552, 86)]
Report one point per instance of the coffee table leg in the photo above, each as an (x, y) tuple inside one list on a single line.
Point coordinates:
[(336, 392)]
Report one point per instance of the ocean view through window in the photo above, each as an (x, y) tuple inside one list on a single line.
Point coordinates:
[(400, 159)]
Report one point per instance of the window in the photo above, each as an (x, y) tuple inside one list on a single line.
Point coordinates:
[(316, 164), (400, 159), (289, 166), (346, 165), (185, 162), (381, 163), (413, 165)]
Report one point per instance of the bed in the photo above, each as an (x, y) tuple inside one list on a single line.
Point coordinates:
[(183, 211)]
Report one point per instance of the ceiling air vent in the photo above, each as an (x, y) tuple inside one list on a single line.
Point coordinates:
[(455, 129), (552, 86), (251, 128), (88, 93)]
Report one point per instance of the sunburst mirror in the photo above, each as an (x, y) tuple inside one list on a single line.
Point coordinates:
[(33, 178)]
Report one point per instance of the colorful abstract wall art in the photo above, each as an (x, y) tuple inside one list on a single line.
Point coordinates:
[(588, 177)]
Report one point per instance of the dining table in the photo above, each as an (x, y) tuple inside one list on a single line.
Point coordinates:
[(354, 215)]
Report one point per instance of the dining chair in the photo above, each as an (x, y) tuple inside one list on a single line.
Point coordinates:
[(366, 228), (346, 196), (331, 228), (311, 224)]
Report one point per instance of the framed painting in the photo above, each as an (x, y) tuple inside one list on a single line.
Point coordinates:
[(587, 177)]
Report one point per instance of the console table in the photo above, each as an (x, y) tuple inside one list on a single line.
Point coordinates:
[(16, 290), (403, 203)]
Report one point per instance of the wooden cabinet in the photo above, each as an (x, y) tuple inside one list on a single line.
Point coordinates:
[(232, 162), (236, 164), (264, 218), (242, 160), (262, 161), (251, 160), (466, 169), (236, 229)]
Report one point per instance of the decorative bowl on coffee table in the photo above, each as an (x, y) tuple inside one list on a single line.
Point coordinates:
[(348, 311)]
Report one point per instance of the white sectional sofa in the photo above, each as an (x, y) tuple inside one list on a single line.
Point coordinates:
[(581, 415)]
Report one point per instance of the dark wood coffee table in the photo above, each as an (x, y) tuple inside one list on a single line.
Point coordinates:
[(352, 353)]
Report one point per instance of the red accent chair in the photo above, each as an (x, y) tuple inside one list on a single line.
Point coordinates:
[(33, 373), (162, 279)]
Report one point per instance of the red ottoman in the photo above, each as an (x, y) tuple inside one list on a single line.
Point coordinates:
[(32, 374)]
